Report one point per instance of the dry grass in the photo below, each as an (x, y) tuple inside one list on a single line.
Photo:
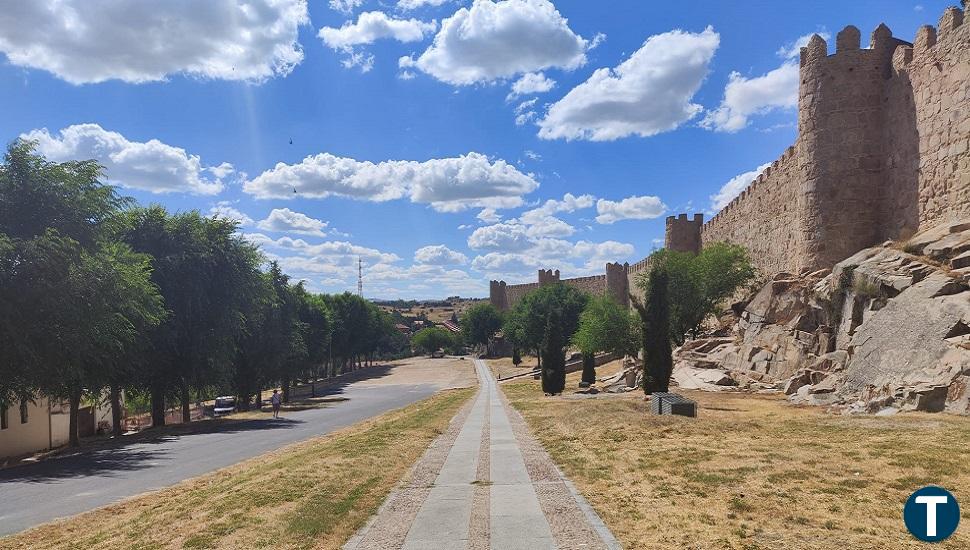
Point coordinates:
[(751, 471), (503, 367), (313, 494)]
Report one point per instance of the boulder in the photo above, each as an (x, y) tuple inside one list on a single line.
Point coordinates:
[(888, 327)]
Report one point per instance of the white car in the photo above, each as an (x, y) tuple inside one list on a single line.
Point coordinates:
[(224, 405)]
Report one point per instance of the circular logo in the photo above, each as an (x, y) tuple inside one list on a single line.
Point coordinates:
[(931, 514)]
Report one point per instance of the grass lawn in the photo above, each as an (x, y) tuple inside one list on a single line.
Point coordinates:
[(751, 471), (313, 494)]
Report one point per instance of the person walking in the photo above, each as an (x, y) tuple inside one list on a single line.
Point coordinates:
[(276, 400)]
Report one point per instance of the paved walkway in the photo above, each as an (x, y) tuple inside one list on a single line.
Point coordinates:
[(473, 489)]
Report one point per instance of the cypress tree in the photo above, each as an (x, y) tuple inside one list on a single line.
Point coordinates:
[(553, 359), (657, 358)]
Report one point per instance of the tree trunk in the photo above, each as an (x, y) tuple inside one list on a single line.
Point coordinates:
[(259, 399), (158, 406), (75, 401), (589, 368), (116, 412), (186, 410), (285, 386)]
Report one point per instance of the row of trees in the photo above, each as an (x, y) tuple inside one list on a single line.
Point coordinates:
[(98, 295), (681, 290)]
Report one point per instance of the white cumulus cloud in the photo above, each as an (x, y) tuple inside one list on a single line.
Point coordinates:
[(489, 215), (531, 83), (746, 97), (439, 255), (448, 184), (372, 26), (284, 220), (647, 94), (497, 40), (630, 208), (224, 209), (90, 41), (734, 186), (150, 166)]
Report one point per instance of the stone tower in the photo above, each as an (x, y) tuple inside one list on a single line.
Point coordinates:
[(548, 276), (684, 234), (498, 295), (618, 283), (840, 144)]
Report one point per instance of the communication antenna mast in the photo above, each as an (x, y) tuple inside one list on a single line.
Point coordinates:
[(360, 277)]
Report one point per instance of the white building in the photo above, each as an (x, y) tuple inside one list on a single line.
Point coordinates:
[(39, 425)]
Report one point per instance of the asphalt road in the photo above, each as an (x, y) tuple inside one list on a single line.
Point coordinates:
[(61, 487)]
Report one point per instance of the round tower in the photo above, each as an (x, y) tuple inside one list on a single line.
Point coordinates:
[(840, 145)]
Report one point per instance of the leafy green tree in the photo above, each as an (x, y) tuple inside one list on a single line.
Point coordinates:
[(528, 324), (604, 326), (480, 322), (73, 304), (201, 267), (317, 325), (112, 303), (699, 283), (431, 339), (655, 316)]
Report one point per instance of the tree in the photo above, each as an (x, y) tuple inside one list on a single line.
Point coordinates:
[(431, 339), (553, 357), (203, 270), (480, 323), (604, 326), (699, 283), (112, 304), (527, 325), (655, 317), (80, 302)]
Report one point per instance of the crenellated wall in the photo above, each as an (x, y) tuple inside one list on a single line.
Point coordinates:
[(883, 150), (764, 217)]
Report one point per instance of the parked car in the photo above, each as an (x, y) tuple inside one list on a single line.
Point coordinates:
[(224, 405), (437, 354)]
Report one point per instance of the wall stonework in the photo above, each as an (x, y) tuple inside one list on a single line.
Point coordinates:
[(883, 151)]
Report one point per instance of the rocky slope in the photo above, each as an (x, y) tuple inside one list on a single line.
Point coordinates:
[(887, 328)]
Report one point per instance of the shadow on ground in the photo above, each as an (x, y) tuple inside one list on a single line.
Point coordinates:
[(120, 455)]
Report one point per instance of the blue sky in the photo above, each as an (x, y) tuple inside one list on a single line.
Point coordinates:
[(426, 136)]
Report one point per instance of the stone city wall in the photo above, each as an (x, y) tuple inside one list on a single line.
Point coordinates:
[(883, 151)]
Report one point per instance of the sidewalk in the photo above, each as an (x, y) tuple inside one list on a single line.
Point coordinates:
[(485, 483)]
